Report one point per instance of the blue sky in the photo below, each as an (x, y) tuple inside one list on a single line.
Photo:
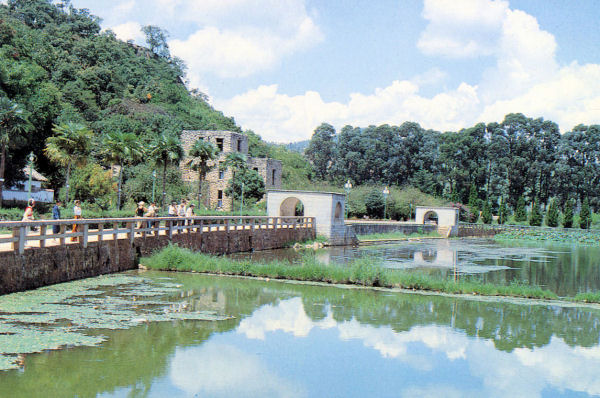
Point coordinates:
[(281, 67)]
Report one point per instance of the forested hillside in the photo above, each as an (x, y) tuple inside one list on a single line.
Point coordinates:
[(57, 66), (519, 157)]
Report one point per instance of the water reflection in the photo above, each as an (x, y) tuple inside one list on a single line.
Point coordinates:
[(291, 340), (564, 269)]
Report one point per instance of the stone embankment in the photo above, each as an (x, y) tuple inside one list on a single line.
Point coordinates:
[(36, 260)]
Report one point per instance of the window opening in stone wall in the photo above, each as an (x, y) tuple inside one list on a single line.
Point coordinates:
[(239, 145), (255, 169), (220, 143), (219, 198), (338, 211), (273, 176), (221, 171)]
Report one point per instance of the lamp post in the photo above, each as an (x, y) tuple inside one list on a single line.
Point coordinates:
[(242, 202), (153, 184), (31, 158), (347, 188), (386, 192)]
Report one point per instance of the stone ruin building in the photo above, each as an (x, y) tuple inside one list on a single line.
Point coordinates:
[(215, 184)]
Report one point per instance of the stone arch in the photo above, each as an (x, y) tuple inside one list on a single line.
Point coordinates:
[(431, 217), (338, 211), (291, 207)]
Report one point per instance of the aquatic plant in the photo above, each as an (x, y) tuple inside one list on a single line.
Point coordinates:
[(365, 271), (399, 235), (578, 236)]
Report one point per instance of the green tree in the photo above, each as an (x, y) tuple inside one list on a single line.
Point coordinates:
[(536, 217), (201, 153), (121, 148), (236, 161), (157, 40), (520, 211), (568, 214), (585, 216), (374, 203), (552, 217), (69, 146), (253, 185), (502, 212), (486, 214), (166, 149), (320, 151), (473, 203), (12, 122)]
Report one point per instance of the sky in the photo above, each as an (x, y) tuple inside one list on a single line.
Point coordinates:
[(282, 67)]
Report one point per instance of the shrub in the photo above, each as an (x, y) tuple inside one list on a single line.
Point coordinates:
[(585, 216), (552, 218), (568, 214), (521, 212), (374, 203), (486, 214), (535, 218)]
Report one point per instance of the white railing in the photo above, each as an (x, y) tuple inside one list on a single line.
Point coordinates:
[(27, 234)]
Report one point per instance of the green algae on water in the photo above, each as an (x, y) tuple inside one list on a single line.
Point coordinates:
[(62, 315)]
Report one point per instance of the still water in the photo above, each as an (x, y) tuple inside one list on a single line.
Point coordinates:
[(564, 269), (250, 338)]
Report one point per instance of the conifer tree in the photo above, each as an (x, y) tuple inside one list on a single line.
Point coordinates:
[(486, 214), (502, 212), (536, 216), (552, 218), (568, 214), (521, 212), (473, 200), (585, 217)]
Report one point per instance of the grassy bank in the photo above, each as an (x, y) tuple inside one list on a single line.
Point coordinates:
[(363, 271), (397, 236), (578, 236)]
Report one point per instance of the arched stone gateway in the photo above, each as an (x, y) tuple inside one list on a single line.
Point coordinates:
[(446, 218), (327, 208)]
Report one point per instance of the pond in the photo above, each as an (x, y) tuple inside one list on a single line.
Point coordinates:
[(188, 335), (562, 268)]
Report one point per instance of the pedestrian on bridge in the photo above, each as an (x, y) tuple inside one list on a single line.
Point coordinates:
[(77, 215), (56, 216), (28, 214)]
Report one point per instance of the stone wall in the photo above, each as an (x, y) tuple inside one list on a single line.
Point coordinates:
[(217, 180), (39, 267), (366, 228)]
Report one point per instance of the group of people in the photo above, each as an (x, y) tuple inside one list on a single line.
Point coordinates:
[(77, 215), (175, 210), (181, 210)]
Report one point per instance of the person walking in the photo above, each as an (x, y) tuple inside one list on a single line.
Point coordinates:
[(173, 209), (151, 213), (56, 216), (189, 213), (28, 215), (181, 209), (77, 215), (139, 212)]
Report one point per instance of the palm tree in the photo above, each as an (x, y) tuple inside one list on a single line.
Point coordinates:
[(237, 162), (12, 122), (202, 152), (121, 148), (166, 149), (69, 146)]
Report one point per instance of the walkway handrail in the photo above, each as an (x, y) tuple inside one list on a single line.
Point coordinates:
[(130, 226)]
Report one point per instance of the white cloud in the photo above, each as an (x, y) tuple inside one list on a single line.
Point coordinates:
[(525, 78), (467, 28), (224, 371), (129, 31)]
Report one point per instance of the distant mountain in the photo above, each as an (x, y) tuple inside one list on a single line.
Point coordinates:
[(299, 146)]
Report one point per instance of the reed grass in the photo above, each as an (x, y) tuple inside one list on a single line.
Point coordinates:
[(364, 271)]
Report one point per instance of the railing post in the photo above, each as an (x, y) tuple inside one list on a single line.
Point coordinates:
[(100, 232), (170, 229), (275, 221), (227, 225), (22, 239), (62, 240), (131, 231), (85, 235), (42, 233), (15, 234), (115, 231)]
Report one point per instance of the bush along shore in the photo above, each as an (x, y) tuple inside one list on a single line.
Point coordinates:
[(577, 236), (364, 271)]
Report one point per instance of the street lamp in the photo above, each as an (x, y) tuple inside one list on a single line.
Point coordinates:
[(386, 192), (347, 188), (31, 158), (153, 184)]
